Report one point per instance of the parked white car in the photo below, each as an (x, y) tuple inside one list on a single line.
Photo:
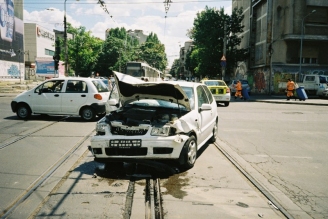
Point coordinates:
[(169, 120), (85, 97)]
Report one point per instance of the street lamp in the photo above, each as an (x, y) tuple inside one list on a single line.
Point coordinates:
[(301, 49), (65, 39)]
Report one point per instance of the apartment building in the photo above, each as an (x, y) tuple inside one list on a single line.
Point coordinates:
[(184, 50), (286, 39)]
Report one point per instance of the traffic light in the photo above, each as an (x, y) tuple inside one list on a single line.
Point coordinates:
[(57, 48), (56, 62), (56, 57)]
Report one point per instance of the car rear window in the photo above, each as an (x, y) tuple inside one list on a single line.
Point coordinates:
[(214, 83), (100, 85)]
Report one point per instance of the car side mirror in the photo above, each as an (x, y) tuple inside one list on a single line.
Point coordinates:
[(205, 107)]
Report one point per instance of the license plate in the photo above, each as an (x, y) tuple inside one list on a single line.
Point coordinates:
[(123, 143)]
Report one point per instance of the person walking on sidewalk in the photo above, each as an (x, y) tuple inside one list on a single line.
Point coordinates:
[(290, 88), (239, 88)]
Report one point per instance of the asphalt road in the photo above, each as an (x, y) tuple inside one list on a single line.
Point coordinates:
[(286, 147), (281, 147)]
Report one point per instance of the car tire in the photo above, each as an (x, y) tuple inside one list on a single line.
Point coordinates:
[(214, 132), (88, 114), (226, 103), (189, 153), (23, 111)]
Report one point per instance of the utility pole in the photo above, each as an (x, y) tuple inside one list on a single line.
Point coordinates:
[(223, 59)]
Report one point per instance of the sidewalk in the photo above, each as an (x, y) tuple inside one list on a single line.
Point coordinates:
[(281, 99)]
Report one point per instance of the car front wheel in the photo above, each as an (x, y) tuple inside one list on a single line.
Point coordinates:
[(189, 153), (23, 111), (88, 114)]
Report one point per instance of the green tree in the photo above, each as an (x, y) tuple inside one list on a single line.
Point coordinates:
[(174, 71), (117, 50), (208, 36), (83, 50), (153, 52)]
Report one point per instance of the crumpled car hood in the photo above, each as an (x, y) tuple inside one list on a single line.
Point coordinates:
[(131, 88)]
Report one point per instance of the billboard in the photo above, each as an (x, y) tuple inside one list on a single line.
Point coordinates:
[(11, 39), (46, 68)]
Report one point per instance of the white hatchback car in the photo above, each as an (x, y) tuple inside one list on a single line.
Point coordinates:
[(168, 120), (86, 97)]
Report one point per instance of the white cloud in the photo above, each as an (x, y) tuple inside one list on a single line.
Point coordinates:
[(137, 14)]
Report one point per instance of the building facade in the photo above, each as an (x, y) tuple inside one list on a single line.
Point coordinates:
[(286, 39), (39, 52), (185, 73), (11, 40)]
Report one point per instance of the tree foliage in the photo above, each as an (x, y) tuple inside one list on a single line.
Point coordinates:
[(153, 52), (208, 33), (175, 68), (83, 50), (88, 54)]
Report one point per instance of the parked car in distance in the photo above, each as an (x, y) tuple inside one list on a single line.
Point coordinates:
[(244, 84), (77, 96), (325, 93), (156, 121), (219, 89)]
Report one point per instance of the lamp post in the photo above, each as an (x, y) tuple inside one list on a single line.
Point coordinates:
[(301, 49), (65, 39)]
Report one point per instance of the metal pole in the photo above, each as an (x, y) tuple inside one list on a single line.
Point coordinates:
[(65, 40), (301, 49), (224, 48)]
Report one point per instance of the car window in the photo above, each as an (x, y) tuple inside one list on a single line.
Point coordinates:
[(100, 86), (155, 103), (190, 93), (114, 93), (214, 83), (76, 86), (202, 97), (53, 86), (208, 93)]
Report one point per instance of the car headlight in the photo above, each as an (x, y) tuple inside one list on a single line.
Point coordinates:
[(161, 131), (100, 125)]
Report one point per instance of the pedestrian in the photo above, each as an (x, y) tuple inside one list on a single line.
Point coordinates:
[(239, 88), (290, 88)]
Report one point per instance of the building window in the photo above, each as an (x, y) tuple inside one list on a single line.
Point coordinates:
[(49, 52), (306, 60)]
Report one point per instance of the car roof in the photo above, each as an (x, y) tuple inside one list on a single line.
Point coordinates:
[(74, 78)]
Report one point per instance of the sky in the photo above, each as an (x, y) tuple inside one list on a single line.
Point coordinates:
[(169, 23)]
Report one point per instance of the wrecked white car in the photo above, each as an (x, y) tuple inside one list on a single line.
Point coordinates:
[(167, 120)]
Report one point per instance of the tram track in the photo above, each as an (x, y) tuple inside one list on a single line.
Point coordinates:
[(45, 175), (153, 199), (21, 137), (271, 200)]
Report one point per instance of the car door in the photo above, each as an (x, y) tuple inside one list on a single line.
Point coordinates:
[(74, 97), (47, 97), (205, 116)]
